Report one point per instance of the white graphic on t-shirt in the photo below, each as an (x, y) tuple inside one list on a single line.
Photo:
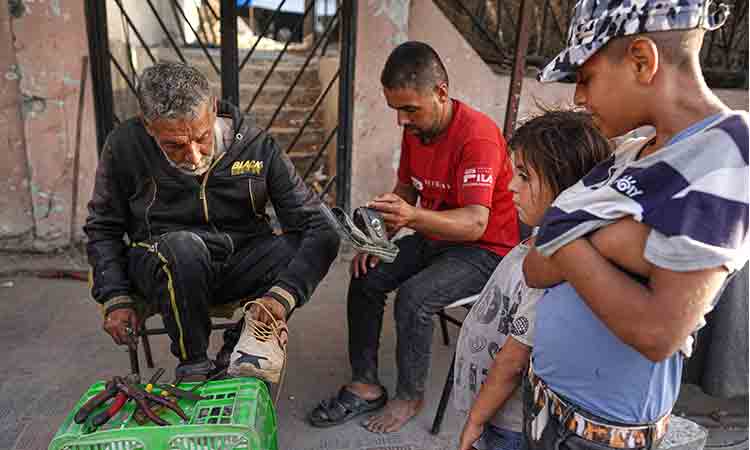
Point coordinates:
[(477, 343), (478, 176)]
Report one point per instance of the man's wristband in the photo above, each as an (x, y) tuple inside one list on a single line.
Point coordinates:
[(115, 303)]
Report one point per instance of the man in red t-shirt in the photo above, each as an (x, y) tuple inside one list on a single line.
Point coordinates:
[(454, 163)]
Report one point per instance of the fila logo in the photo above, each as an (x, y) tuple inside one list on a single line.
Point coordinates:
[(627, 186), (249, 166), (478, 177)]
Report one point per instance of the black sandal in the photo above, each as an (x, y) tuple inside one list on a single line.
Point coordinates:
[(344, 407)]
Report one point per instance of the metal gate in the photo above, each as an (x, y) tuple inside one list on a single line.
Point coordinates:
[(274, 65)]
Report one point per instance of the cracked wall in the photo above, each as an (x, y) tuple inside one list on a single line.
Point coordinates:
[(41, 59)]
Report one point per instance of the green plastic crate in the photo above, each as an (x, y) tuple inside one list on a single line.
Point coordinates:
[(237, 414)]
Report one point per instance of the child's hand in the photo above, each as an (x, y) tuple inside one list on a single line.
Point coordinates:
[(469, 435)]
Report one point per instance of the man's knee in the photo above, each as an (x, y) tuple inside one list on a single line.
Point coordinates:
[(183, 248), (411, 304)]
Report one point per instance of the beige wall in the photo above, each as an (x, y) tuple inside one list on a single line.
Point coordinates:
[(381, 25), (48, 51), (16, 222)]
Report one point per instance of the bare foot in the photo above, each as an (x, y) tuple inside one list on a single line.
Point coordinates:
[(365, 391), (395, 414)]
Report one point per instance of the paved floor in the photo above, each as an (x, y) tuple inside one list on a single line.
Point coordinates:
[(54, 348)]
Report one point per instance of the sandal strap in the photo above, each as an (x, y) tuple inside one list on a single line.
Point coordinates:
[(341, 405)]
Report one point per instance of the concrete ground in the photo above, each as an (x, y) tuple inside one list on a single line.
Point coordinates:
[(54, 349)]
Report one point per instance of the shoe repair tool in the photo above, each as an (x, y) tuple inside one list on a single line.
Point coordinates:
[(141, 398), (213, 377), (180, 393), (365, 230), (94, 402), (99, 399), (119, 401), (168, 391)]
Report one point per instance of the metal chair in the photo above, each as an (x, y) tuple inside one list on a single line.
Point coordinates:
[(145, 311), (445, 318)]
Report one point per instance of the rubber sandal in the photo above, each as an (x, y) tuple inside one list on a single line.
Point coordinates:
[(365, 230), (344, 407)]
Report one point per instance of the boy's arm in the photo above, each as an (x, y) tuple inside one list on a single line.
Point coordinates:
[(502, 380), (653, 319), (541, 272)]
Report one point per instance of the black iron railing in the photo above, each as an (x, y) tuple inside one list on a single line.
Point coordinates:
[(339, 28)]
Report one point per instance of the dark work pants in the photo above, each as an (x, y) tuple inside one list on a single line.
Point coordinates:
[(429, 275), (182, 274)]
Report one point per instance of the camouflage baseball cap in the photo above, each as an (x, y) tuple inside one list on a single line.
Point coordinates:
[(595, 22)]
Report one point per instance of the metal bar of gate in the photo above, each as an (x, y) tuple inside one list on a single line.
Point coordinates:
[(230, 77), (481, 28), (166, 32), (519, 67), (346, 104), (312, 112), (135, 30), (122, 73), (300, 72), (101, 74), (213, 12), (277, 60), (261, 34), (198, 38)]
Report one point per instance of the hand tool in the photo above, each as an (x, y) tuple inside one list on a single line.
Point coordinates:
[(120, 400)]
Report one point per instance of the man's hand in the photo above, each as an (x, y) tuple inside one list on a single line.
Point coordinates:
[(396, 212), (122, 324), (361, 262), (469, 435), (277, 313)]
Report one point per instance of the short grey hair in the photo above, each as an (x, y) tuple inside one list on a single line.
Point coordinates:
[(171, 90)]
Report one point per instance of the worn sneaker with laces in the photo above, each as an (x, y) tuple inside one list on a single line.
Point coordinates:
[(259, 352)]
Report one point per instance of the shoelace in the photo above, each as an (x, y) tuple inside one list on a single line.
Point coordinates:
[(262, 331)]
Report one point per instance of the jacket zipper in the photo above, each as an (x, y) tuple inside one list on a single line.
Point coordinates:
[(203, 187), (148, 208), (252, 197)]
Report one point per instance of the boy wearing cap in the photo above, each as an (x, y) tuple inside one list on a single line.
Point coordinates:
[(673, 206)]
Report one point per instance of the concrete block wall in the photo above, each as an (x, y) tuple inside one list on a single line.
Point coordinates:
[(42, 47)]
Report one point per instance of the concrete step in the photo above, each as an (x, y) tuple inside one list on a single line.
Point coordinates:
[(302, 161), (288, 117), (309, 141), (272, 94), (254, 73)]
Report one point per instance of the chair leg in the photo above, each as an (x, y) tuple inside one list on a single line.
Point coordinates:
[(438, 421), (444, 327), (134, 366), (147, 351)]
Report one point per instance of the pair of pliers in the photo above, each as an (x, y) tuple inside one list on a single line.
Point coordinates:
[(120, 400), (110, 391), (142, 398)]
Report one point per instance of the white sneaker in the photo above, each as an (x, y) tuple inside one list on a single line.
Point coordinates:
[(259, 352)]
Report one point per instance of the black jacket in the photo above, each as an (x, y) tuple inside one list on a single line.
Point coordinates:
[(139, 194)]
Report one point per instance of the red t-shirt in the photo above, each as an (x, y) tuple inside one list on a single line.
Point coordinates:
[(467, 164)]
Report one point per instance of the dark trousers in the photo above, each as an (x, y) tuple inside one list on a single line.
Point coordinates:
[(183, 273), (429, 275)]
